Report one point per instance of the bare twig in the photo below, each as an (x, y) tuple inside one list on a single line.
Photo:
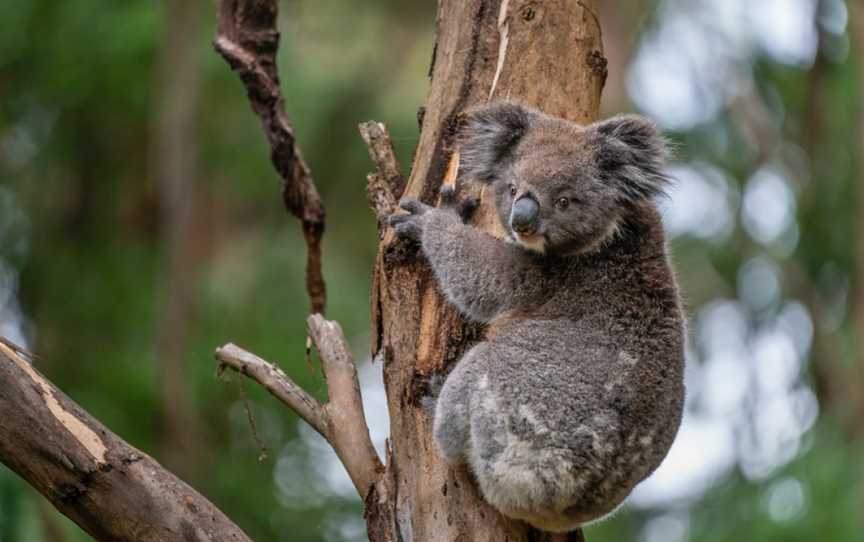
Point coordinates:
[(262, 449), (276, 382), (248, 40), (341, 420)]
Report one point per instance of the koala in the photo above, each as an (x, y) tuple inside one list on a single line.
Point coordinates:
[(576, 393)]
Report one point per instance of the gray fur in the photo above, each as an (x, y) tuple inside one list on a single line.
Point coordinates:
[(577, 391)]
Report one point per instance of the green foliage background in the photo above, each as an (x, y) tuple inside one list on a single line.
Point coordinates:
[(80, 235)]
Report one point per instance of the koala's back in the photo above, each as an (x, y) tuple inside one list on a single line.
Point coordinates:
[(579, 399)]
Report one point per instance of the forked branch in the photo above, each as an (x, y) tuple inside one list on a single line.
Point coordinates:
[(341, 420)]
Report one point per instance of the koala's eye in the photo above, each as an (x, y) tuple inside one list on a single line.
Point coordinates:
[(512, 189), (562, 203)]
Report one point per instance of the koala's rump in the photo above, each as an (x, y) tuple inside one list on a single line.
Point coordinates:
[(553, 430)]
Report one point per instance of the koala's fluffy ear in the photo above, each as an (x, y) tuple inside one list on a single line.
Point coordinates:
[(631, 154), (488, 135)]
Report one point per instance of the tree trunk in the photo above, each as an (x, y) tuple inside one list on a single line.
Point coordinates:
[(855, 377), (548, 55), (174, 167)]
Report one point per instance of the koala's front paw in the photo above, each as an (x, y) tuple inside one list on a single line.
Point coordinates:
[(464, 208), (410, 225)]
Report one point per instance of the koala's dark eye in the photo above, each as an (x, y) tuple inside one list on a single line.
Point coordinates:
[(562, 203), (512, 189)]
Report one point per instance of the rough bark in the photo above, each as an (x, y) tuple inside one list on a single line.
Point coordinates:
[(110, 489), (548, 55)]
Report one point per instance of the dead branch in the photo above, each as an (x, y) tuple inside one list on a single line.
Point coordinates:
[(380, 148), (274, 380), (248, 40), (110, 489), (386, 184), (341, 420)]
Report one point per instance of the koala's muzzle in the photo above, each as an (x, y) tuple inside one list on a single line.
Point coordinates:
[(524, 215)]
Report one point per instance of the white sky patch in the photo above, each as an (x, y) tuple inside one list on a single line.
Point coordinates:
[(772, 441), (768, 209), (697, 58), (14, 226), (669, 527), (14, 237), (701, 455), (785, 29), (17, 146), (786, 500), (795, 322), (834, 16), (308, 468), (699, 202), (723, 327), (728, 384), (777, 364), (759, 283)]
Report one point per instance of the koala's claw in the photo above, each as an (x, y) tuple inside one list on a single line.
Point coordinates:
[(464, 208), (413, 206), (407, 226)]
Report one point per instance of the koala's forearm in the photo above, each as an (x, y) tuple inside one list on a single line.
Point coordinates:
[(474, 270)]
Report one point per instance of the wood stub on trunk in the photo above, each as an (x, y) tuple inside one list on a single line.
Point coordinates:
[(380, 147), (341, 421), (545, 54), (248, 39), (110, 489), (386, 184)]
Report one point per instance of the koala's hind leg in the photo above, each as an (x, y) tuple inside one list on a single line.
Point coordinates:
[(452, 423)]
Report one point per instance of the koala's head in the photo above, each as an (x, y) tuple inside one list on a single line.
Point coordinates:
[(560, 187)]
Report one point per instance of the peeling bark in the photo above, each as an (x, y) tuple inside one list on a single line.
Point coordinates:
[(110, 489)]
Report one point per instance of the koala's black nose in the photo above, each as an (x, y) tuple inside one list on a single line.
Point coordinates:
[(523, 217)]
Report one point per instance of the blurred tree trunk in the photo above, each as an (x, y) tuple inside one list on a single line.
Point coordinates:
[(621, 33), (174, 167), (548, 55), (855, 382), (829, 360)]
